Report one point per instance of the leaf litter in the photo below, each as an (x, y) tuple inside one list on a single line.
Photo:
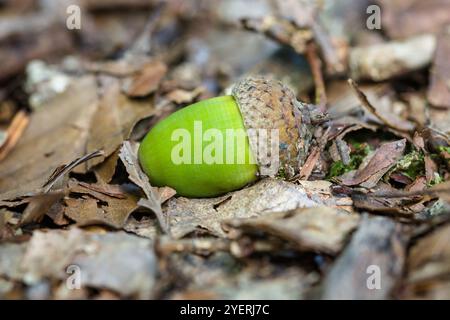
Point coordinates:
[(374, 190)]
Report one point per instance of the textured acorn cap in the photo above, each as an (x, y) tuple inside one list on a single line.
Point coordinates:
[(269, 104)]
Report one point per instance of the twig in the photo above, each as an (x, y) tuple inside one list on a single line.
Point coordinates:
[(143, 43), (14, 132), (60, 172), (316, 69), (399, 125)]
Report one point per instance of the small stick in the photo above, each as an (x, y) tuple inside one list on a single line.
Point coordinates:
[(14, 132)]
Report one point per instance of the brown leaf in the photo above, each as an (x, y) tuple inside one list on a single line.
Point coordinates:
[(183, 96), (322, 229), (39, 205), (56, 213), (430, 168), (114, 191), (382, 160), (104, 171), (56, 135), (310, 163), (399, 207), (114, 120), (146, 227), (128, 155), (266, 196), (62, 171), (391, 120), (146, 80), (103, 206)]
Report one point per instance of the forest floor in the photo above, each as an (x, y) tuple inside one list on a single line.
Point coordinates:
[(367, 217)]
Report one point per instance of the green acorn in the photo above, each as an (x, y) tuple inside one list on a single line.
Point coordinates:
[(222, 144)]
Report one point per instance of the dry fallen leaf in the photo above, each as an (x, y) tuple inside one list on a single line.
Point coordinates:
[(39, 205), (128, 155), (56, 135), (391, 120), (146, 80), (114, 120), (266, 196), (183, 96), (109, 205), (380, 163), (321, 229)]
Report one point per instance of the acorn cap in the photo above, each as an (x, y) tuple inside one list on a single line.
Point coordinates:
[(271, 106)]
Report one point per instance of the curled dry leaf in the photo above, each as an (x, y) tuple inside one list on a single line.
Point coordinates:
[(266, 196), (380, 163), (109, 205), (319, 229), (62, 171), (39, 205), (128, 155), (405, 207)]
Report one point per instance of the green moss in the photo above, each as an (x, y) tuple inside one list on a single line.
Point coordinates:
[(411, 165), (360, 151), (436, 180), (281, 174), (337, 168), (444, 149)]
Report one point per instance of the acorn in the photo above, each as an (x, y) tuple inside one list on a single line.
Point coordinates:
[(224, 143)]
